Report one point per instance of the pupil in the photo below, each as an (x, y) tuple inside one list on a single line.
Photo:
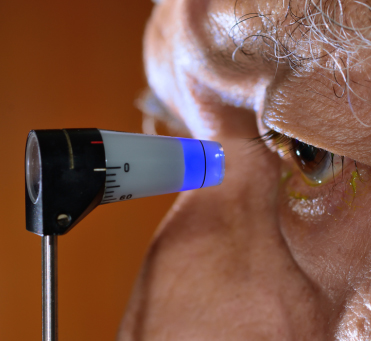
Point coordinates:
[(306, 152), (312, 161), (315, 163)]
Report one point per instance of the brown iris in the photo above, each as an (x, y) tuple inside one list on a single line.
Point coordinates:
[(314, 162), (317, 165)]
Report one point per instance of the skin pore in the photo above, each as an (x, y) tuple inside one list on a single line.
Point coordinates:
[(267, 255)]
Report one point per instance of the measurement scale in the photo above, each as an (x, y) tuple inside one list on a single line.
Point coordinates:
[(69, 172)]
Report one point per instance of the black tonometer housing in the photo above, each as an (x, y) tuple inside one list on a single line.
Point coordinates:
[(65, 178)]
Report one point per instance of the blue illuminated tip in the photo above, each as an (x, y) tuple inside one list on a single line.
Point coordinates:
[(204, 163), (215, 163)]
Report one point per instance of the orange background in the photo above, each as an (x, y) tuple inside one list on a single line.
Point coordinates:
[(70, 64)]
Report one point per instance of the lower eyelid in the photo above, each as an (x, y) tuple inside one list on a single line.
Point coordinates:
[(345, 195), (342, 191)]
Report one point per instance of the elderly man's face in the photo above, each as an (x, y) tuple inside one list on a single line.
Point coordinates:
[(281, 250)]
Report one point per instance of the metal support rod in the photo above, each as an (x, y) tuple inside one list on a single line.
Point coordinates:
[(49, 288)]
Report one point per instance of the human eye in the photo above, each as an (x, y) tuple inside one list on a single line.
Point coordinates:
[(316, 183), (317, 166), (306, 167)]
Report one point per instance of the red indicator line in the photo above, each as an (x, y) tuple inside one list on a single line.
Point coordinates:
[(96, 142)]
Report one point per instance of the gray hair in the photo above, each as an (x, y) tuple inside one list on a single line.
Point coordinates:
[(332, 35)]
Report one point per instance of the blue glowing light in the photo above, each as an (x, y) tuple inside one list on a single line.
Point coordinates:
[(204, 163)]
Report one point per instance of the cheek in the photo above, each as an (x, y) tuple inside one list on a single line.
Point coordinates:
[(219, 255), (327, 228)]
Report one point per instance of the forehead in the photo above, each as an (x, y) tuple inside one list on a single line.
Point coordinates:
[(295, 32), (234, 48)]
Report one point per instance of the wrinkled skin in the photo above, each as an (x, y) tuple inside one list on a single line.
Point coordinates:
[(264, 256)]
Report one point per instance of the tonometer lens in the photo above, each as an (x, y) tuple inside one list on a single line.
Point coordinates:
[(33, 167)]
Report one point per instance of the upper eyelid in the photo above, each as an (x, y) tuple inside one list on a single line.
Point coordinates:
[(278, 138), (272, 139), (341, 134)]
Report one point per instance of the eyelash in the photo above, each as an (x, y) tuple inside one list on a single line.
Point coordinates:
[(283, 145)]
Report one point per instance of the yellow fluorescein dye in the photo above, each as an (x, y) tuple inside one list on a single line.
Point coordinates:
[(355, 176), (352, 181), (310, 182), (297, 195)]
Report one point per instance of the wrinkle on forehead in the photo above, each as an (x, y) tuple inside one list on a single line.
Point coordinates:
[(306, 108), (202, 39), (328, 33)]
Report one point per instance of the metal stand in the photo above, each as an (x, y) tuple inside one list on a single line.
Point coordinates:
[(50, 288)]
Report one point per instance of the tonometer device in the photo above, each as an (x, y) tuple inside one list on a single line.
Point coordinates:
[(69, 172)]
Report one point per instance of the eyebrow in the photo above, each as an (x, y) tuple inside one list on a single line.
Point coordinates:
[(315, 34)]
